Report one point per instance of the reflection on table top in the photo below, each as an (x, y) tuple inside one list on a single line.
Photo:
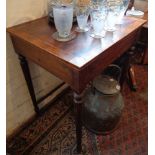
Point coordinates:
[(77, 52)]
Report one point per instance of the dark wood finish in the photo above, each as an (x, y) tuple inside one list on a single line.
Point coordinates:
[(131, 73), (78, 101), (125, 68), (72, 61), (27, 76), (76, 62), (145, 56), (132, 78)]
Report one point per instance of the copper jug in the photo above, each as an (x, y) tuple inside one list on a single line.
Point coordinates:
[(103, 102)]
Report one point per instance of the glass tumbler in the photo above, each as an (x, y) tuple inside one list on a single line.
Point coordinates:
[(114, 8), (82, 13), (123, 7), (98, 16), (63, 19)]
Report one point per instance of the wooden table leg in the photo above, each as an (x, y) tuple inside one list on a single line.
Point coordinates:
[(27, 76), (132, 78), (125, 69), (128, 71), (78, 100), (145, 56)]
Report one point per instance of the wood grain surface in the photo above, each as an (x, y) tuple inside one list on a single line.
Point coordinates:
[(77, 61)]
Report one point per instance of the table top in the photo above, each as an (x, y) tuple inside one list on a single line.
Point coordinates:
[(74, 58), (77, 52)]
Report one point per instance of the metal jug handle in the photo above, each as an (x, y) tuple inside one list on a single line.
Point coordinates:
[(116, 77)]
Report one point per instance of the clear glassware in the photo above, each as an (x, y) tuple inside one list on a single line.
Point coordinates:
[(98, 16), (123, 7), (114, 8), (82, 14), (63, 19)]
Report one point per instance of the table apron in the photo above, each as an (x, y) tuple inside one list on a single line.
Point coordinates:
[(93, 69), (76, 78), (45, 60)]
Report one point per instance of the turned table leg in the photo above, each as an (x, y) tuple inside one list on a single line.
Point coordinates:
[(125, 69), (78, 100), (128, 71), (27, 76), (132, 78)]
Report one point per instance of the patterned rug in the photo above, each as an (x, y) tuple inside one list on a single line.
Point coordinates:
[(54, 132)]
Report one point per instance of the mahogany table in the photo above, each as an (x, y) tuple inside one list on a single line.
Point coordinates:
[(76, 62)]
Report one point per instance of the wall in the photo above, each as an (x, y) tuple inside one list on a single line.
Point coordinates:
[(19, 105), (141, 5)]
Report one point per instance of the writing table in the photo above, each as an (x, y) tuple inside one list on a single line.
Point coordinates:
[(76, 62)]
